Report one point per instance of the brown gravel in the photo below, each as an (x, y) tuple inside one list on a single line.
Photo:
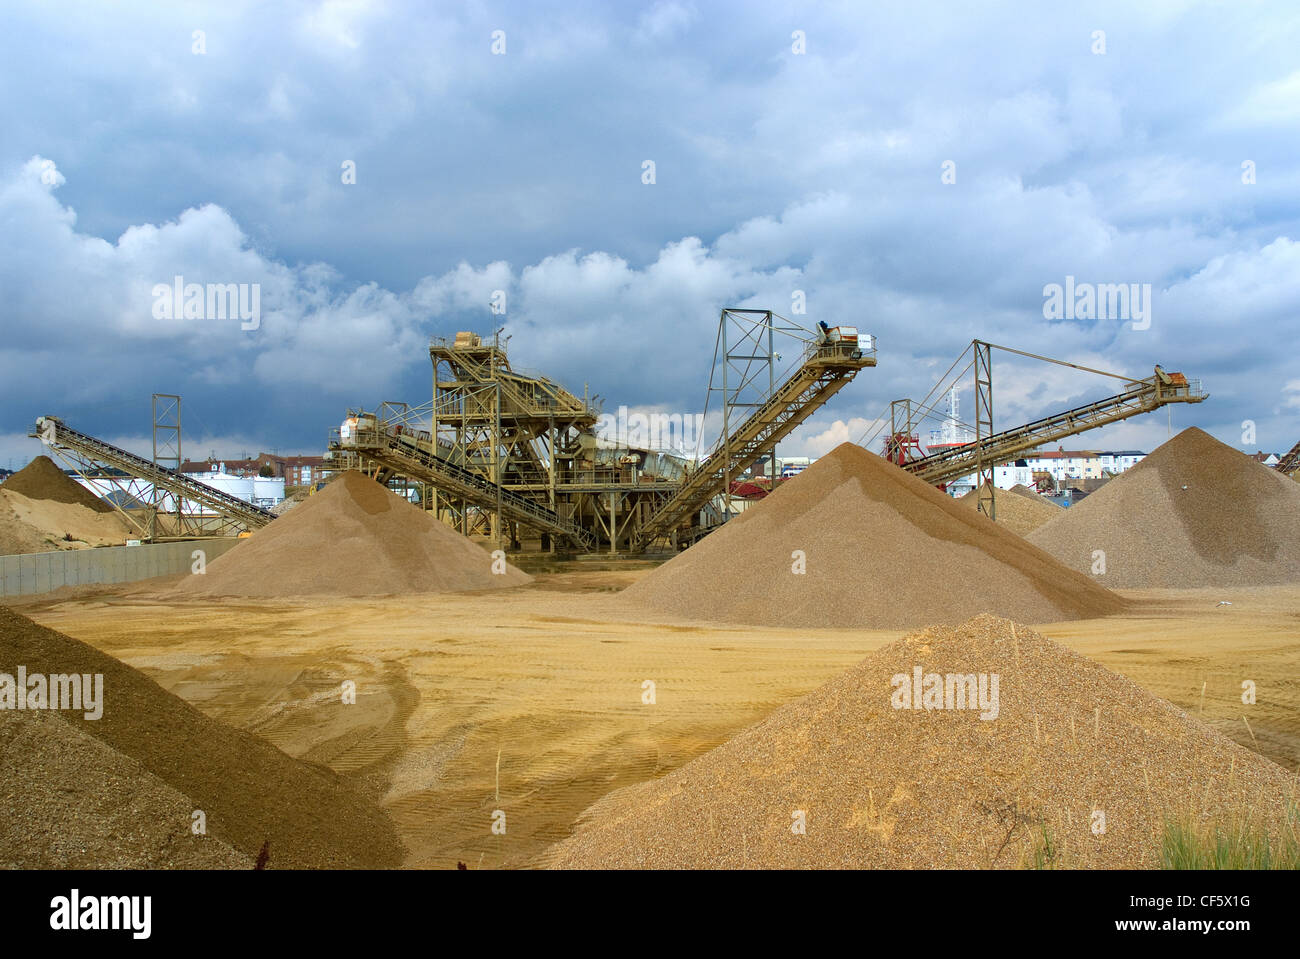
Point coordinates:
[(67, 801), (250, 791), (352, 538), (896, 788), (883, 550), (1018, 509), (42, 479), (1237, 522)]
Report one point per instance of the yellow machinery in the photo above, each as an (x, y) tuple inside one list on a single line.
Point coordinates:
[(502, 449)]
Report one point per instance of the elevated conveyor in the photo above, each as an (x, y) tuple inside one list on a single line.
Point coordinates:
[(826, 369), (96, 460)]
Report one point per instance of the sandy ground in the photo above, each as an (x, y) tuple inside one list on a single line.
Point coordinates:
[(530, 700)]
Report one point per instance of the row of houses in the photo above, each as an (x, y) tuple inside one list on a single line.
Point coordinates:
[(294, 470)]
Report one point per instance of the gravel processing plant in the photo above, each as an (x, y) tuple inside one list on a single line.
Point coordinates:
[(492, 638)]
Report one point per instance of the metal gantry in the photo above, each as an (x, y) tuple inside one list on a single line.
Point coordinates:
[(166, 453), (986, 464), (537, 460), (991, 448), (825, 369), (132, 483), (1287, 465)]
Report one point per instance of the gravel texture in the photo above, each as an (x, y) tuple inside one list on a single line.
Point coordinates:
[(352, 538), (152, 753), (1019, 509), (68, 801), (1194, 513), (886, 788), (881, 549)]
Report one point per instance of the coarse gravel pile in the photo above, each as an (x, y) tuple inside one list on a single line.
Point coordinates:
[(42, 479), (120, 790), (68, 801), (1194, 513), (1080, 766), (1018, 509), (352, 538), (880, 549)]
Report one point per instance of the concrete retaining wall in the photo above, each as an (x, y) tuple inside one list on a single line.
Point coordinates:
[(29, 574)]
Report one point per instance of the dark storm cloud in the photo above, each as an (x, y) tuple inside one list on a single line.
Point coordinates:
[(775, 172)]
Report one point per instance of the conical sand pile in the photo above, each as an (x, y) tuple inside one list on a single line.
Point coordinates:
[(42, 479), (1193, 513), (879, 548), (39, 525), (1079, 765), (1019, 509), (353, 538), (121, 789), (43, 509)]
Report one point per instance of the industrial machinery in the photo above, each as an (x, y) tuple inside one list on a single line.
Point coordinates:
[(499, 449), (990, 448), (831, 359), (1287, 465), (143, 491)]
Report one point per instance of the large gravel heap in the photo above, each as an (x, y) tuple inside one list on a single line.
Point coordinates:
[(1193, 513), (885, 788), (881, 549), (1018, 509), (120, 791), (42, 479), (353, 538)]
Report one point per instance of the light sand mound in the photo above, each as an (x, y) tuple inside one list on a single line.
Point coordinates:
[(1237, 522), (39, 525), (886, 788), (250, 791), (882, 549), (1018, 509), (353, 538), (42, 479)]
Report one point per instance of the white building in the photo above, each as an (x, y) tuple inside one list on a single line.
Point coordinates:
[(263, 491), (1117, 461), (1004, 477), (1066, 466)]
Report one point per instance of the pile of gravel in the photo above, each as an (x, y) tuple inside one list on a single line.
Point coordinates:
[(1080, 766), (1018, 509), (1194, 513), (120, 790), (352, 538), (42, 479), (879, 548)]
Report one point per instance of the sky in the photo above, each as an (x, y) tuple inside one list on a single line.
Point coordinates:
[(378, 170)]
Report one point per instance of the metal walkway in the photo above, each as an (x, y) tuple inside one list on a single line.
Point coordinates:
[(88, 456), (1146, 395), (825, 371), (1287, 465), (404, 453)]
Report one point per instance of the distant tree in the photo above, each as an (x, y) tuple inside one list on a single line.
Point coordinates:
[(266, 470)]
